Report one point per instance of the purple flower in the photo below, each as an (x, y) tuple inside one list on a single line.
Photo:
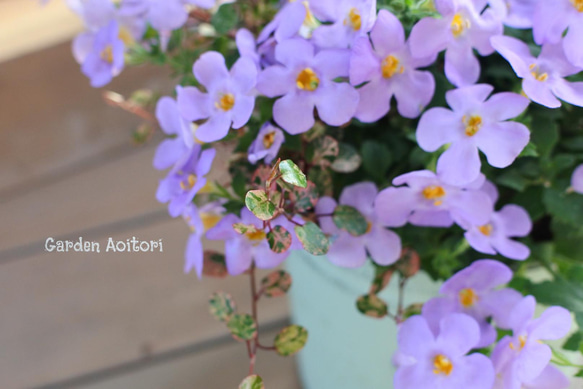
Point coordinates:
[(294, 18), (440, 361), (552, 18), (389, 70), (242, 250), (172, 150), (521, 358), (228, 101), (349, 19), (577, 180), (199, 221), (267, 144), (105, 60), (382, 245), (185, 180), (495, 236), (515, 13), (551, 377), (429, 202), (247, 46), (306, 80), (474, 124), (543, 77), (473, 291), (460, 29)]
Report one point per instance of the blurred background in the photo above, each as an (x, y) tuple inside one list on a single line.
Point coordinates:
[(68, 168)]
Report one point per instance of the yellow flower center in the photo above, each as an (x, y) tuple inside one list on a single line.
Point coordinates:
[(459, 24), (486, 229), (354, 19), (308, 80), (107, 54), (536, 72), (268, 139), (578, 4), (522, 343), (442, 365), (368, 227), (468, 297), (255, 236), (209, 220), (188, 184), (226, 102), (473, 124), (435, 193), (125, 36), (391, 66)]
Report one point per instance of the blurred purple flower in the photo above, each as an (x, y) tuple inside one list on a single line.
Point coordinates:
[(577, 180), (266, 145), (551, 377), (543, 77), (228, 101), (306, 80), (349, 20), (294, 18), (473, 291), (185, 180), (552, 18), (474, 124), (515, 13), (176, 147), (382, 245), (429, 202), (495, 236), (521, 358), (461, 28), (389, 70), (102, 57), (247, 46), (242, 250), (441, 361)]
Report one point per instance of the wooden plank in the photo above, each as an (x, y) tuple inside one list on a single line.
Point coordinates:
[(64, 315)]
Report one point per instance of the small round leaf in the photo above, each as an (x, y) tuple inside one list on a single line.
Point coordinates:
[(259, 204), (276, 284), (279, 239), (252, 382), (291, 173), (371, 305), (349, 219), (290, 340), (222, 306), (242, 327), (312, 238), (214, 265)]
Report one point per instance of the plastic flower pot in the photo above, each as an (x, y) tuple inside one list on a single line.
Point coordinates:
[(345, 349)]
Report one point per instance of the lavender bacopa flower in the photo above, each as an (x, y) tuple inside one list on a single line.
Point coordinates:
[(349, 20), (241, 250), (173, 149), (266, 145), (427, 201), (461, 28), (515, 13), (440, 361), (293, 19), (475, 292), (551, 377), (228, 101), (185, 180), (382, 245), (577, 180), (105, 59), (521, 358), (543, 77), (495, 236), (389, 69), (473, 124), (552, 18), (306, 81)]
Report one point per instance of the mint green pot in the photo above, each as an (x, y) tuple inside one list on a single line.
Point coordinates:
[(345, 349)]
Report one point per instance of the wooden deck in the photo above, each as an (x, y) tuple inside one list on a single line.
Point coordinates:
[(100, 321)]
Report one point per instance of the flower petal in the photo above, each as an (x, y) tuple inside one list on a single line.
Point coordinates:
[(347, 251), (502, 142), (384, 246), (337, 105), (460, 163), (437, 127), (294, 113), (210, 69)]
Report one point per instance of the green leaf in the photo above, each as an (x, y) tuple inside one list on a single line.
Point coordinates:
[(563, 293), (574, 342), (371, 305), (242, 327), (214, 265), (347, 160), (260, 176), (258, 203), (312, 238), (225, 19), (323, 180), (276, 284), (305, 198), (291, 173), (322, 148), (409, 263), (279, 239), (243, 228), (376, 159), (290, 340), (567, 208), (252, 382), (544, 133), (350, 219), (239, 184), (383, 275), (222, 306)]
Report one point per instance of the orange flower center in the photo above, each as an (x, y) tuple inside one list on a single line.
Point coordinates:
[(226, 102), (442, 365), (255, 236), (473, 124), (353, 19), (435, 193), (468, 297), (107, 54), (391, 66), (578, 4), (522, 342), (308, 80), (486, 229), (536, 72), (188, 184), (268, 139), (459, 24)]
